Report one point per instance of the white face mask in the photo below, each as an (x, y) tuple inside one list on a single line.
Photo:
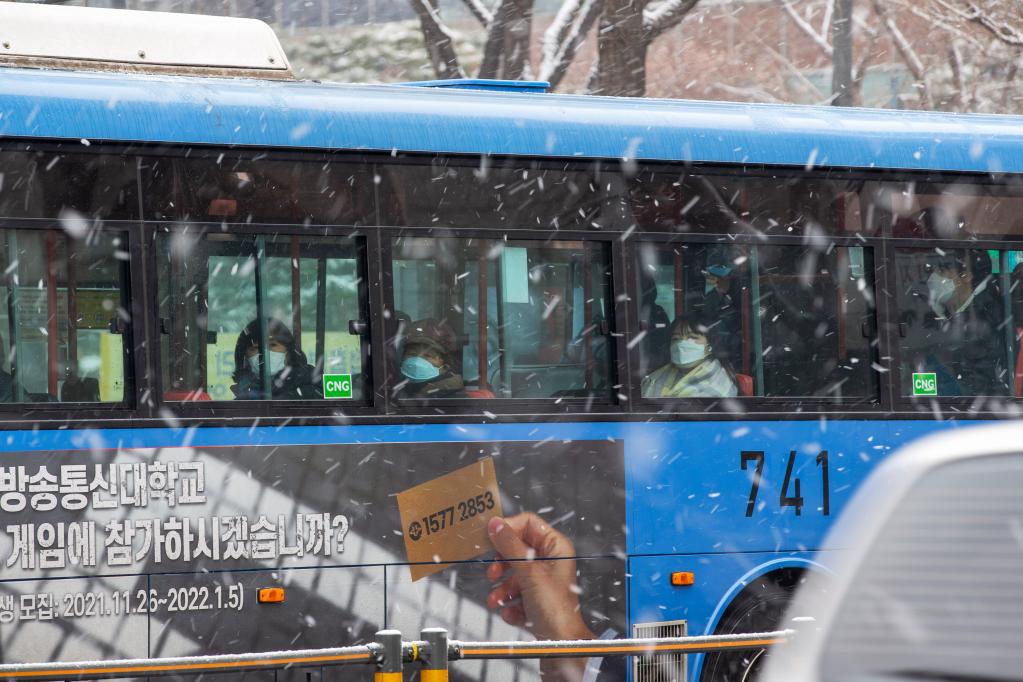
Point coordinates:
[(685, 352), (939, 290), (276, 361)]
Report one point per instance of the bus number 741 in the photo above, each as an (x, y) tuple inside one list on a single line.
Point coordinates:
[(784, 498)]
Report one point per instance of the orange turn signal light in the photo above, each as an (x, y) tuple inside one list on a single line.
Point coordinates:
[(271, 595), (682, 578)]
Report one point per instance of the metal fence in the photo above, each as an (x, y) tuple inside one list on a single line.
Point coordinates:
[(431, 654)]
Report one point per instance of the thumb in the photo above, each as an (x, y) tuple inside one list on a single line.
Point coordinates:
[(507, 543)]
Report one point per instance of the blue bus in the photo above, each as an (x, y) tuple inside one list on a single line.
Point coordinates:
[(297, 357)]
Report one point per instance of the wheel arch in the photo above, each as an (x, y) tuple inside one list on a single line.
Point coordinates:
[(775, 567)]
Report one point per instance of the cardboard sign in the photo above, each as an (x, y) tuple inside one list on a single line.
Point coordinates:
[(445, 519)]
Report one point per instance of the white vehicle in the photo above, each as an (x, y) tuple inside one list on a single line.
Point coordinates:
[(931, 585)]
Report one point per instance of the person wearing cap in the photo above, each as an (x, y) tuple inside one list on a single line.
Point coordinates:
[(720, 313), (425, 367)]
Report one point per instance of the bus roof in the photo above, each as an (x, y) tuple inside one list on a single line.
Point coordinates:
[(200, 111)]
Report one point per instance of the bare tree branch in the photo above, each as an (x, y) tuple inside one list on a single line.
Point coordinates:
[(480, 11), (1001, 30), (907, 53), (555, 35), (819, 40), (812, 90), (493, 45), (506, 48), (438, 41), (554, 70), (829, 9), (955, 60), (860, 68), (659, 19), (750, 92)]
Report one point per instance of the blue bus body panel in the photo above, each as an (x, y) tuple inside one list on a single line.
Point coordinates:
[(92, 107), (686, 496)]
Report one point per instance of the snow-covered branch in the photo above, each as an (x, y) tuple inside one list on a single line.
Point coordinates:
[(1009, 35), (818, 39), (480, 11), (554, 36), (657, 20), (553, 69)]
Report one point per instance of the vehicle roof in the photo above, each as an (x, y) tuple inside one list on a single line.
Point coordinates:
[(189, 110)]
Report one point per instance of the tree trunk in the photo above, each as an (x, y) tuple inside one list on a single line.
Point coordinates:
[(621, 50), (517, 35), (842, 89), (437, 41)]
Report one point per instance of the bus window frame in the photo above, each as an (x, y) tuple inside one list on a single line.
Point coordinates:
[(133, 358), (257, 409), (770, 404), (616, 403)]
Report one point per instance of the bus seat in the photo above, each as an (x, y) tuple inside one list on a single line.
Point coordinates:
[(480, 393), (745, 384), (80, 390), (180, 396)]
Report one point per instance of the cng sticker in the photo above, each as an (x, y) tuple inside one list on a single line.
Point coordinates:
[(925, 383), (337, 385)]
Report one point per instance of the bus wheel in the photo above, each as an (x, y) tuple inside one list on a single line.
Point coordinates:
[(760, 607)]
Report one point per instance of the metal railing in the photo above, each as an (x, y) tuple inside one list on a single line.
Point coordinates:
[(389, 653)]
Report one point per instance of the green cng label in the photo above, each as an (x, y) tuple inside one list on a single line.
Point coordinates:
[(337, 385), (925, 383)]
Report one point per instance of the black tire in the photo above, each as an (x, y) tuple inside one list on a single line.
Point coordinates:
[(760, 607)]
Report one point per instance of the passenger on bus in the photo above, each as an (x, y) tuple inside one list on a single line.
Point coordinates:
[(426, 368), (693, 371), (291, 376), (720, 313), (969, 352)]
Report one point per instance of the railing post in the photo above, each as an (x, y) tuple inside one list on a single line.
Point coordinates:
[(435, 662), (389, 651)]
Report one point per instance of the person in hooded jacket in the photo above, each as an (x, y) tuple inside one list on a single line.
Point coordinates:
[(291, 375), (426, 369)]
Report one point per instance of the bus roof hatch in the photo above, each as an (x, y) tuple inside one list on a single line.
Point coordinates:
[(90, 38), (483, 84)]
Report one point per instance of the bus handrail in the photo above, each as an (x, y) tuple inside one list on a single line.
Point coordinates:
[(389, 653)]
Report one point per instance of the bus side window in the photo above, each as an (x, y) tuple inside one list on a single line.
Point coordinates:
[(958, 333), (528, 320), (63, 330), (261, 317), (774, 320)]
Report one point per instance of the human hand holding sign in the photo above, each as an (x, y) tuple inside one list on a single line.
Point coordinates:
[(536, 585)]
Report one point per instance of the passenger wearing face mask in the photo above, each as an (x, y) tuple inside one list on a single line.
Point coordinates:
[(693, 371), (291, 376), (425, 368), (968, 312)]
